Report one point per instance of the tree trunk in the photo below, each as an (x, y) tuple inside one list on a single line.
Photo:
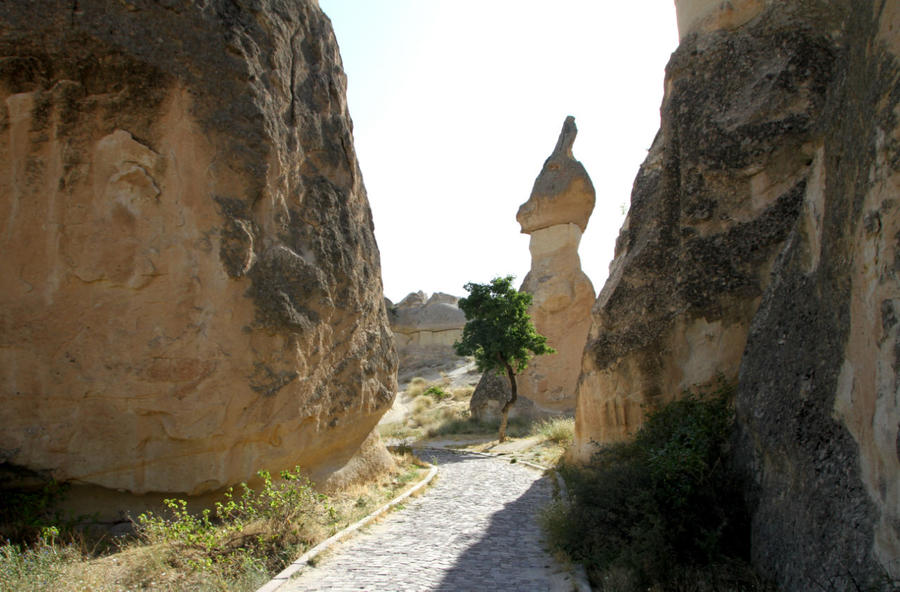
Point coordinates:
[(504, 412)]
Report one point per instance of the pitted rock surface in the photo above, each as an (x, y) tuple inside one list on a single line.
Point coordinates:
[(475, 529), (192, 288), (562, 192), (762, 246)]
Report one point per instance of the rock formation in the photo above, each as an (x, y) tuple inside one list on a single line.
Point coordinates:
[(192, 286), (425, 329), (491, 393), (762, 245), (555, 216)]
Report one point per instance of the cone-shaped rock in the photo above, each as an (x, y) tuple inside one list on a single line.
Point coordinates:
[(555, 216), (563, 192)]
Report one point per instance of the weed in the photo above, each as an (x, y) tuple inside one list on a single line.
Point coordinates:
[(264, 527), (36, 567), (236, 545)]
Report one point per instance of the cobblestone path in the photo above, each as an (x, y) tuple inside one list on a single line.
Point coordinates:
[(475, 529)]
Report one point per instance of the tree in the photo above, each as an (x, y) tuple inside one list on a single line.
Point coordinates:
[(499, 333)]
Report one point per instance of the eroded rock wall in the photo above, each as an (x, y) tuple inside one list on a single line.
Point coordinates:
[(818, 403), (762, 246), (192, 286), (711, 208)]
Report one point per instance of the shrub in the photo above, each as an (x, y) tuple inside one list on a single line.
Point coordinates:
[(263, 528), (25, 512), (646, 511)]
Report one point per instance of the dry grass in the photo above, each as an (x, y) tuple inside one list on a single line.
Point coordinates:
[(176, 553), (433, 409), (558, 430)]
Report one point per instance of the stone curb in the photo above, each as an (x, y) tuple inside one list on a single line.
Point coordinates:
[(302, 561), (579, 574)]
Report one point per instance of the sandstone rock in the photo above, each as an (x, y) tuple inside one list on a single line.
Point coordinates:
[(555, 216), (192, 283), (761, 245), (426, 329), (491, 393), (439, 313), (563, 192), (712, 15)]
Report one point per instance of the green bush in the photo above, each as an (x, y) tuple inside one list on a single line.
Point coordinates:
[(437, 393), (263, 527), (646, 512)]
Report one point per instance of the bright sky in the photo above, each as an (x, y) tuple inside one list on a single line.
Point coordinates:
[(457, 103)]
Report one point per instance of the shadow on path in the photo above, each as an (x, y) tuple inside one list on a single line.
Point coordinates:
[(510, 555)]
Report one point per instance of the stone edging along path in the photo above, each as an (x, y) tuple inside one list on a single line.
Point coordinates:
[(302, 561), (437, 572)]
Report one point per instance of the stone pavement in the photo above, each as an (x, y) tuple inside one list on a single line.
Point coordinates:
[(475, 529)]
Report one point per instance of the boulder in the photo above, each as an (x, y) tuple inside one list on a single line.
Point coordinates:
[(192, 285), (761, 248), (491, 394), (562, 295)]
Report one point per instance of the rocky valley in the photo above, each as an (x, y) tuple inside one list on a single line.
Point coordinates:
[(192, 286)]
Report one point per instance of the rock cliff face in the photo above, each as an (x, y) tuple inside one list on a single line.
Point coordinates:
[(555, 216), (192, 286), (762, 246), (425, 329)]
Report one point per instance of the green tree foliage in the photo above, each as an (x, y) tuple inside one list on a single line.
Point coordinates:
[(499, 333)]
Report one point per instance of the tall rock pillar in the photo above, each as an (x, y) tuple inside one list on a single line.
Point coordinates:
[(555, 216)]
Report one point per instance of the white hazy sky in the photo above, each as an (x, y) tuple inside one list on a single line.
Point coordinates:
[(457, 103)]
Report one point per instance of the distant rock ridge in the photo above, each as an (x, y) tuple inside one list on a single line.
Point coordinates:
[(192, 287), (425, 329), (555, 216)]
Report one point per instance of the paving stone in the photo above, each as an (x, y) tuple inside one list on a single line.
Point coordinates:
[(474, 529)]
